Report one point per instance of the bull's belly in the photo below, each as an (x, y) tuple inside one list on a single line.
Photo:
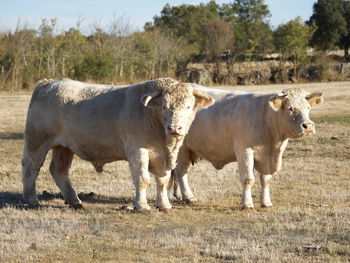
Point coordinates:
[(219, 164), (101, 156), (213, 150), (218, 160), (93, 149), (266, 167)]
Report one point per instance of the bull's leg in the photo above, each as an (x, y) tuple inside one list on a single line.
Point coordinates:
[(31, 164), (59, 167), (182, 178), (265, 200), (245, 160), (162, 191), (187, 194), (138, 163)]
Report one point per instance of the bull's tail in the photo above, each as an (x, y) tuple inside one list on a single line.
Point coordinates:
[(171, 180), (176, 193)]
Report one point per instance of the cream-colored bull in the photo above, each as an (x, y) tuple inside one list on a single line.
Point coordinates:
[(250, 128), (144, 124)]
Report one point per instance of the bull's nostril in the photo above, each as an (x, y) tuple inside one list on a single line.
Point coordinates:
[(174, 129), (308, 126)]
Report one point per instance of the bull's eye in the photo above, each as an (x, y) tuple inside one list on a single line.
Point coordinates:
[(188, 107), (163, 107)]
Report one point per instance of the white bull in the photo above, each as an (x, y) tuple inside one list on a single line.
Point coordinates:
[(144, 124), (250, 128)]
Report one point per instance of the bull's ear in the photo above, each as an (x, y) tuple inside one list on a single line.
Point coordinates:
[(202, 100), (151, 98), (276, 101), (314, 99)]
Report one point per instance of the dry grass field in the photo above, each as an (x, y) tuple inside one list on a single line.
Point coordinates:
[(310, 220)]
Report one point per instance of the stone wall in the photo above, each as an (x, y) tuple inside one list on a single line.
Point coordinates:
[(261, 72)]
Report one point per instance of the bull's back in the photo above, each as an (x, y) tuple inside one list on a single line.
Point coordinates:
[(75, 115), (56, 102)]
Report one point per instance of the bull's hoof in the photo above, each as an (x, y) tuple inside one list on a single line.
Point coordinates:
[(187, 202), (266, 205), (166, 210), (247, 208), (34, 206), (190, 202), (144, 211), (177, 197), (76, 206)]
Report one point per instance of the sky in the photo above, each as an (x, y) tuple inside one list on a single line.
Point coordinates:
[(131, 13)]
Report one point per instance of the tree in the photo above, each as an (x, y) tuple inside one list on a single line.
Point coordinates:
[(46, 59), (345, 39), (330, 23), (71, 46), (16, 57), (292, 39), (217, 38), (95, 67), (184, 22), (249, 20), (157, 54)]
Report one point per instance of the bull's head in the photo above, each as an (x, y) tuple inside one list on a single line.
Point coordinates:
[(293, 106), (177, 104)]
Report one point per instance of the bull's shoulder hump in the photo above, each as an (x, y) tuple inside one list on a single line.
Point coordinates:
[(68, 90), (219, 94)]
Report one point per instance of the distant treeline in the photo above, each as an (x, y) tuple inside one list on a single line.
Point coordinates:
[(168, 43)]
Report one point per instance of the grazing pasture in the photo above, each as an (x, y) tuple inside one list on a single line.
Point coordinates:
[(310, 220)]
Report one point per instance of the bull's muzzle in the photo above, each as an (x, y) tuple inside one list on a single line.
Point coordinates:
[(308, 127), (175, 130)]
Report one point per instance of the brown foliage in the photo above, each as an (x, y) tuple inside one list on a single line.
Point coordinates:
[(217, 38)]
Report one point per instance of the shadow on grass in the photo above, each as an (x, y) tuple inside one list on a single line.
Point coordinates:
[(11, 199), (8, 199), (11, 136)]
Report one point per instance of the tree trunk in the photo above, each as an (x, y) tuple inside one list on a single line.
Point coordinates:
[(346, 53), (295, 64)]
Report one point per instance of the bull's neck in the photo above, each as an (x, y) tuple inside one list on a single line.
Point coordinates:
[(170, 144), (276, 137), (275, 125), (173, 144)]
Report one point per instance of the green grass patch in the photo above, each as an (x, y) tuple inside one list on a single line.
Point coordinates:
[(346, 98), (344, 119)]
